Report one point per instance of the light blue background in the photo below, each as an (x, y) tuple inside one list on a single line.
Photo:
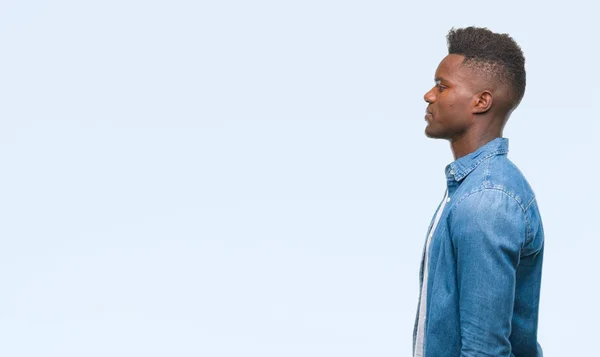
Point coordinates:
[(253, 179)]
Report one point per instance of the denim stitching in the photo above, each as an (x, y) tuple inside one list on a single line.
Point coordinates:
[(529, 233), (491, 188), (486, 173), (530, 202)]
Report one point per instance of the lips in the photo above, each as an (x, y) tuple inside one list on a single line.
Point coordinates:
[(428, 115)]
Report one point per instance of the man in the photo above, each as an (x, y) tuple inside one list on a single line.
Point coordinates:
[(482, 262)]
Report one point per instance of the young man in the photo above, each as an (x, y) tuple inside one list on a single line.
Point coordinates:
[(482, 262)]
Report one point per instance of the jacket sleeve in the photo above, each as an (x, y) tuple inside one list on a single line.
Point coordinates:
[(487, 229)]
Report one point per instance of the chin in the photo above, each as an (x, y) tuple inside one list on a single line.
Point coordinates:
[(432, 134)]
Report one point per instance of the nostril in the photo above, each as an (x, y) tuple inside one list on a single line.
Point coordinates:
[(428, 97)]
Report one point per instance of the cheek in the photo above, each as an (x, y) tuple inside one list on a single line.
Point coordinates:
[(457, 105), (462, 101), (450, 104)]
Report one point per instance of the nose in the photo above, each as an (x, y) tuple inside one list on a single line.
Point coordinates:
[(430, 96)]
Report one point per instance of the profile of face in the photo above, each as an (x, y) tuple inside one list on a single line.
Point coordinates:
[(453, 101)]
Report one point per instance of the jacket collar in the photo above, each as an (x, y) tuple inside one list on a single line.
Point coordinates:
[(460, 168)]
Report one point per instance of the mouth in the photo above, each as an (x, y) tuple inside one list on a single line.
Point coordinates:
[(428, 115)]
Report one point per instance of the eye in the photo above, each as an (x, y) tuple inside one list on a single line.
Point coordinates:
[(440, 87)]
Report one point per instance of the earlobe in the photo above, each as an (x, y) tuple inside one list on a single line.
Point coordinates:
[(483, 102)]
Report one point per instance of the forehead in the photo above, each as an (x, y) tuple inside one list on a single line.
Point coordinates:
[(450, 67)]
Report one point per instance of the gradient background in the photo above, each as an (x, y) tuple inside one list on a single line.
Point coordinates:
[(243, 178)]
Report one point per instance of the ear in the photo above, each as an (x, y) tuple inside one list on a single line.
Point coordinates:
[(483, 102)]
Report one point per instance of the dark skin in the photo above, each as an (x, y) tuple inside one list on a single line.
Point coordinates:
[(466, 106)]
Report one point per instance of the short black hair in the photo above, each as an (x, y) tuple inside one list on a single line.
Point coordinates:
[(497, 55)]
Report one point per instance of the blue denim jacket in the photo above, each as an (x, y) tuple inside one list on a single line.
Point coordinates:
[(485, 261)]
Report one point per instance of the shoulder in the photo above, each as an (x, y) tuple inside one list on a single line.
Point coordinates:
[(487, 201), (499, 174), (492, 213)]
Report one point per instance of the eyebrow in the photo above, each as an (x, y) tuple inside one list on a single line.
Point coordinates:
[(439, 79)]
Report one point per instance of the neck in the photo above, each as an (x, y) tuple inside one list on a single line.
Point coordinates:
[(484, 130), (471, 141), (462, 147)]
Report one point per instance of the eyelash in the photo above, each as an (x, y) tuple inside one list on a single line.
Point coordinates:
[(440, 87)]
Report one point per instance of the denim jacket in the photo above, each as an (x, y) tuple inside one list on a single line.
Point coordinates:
[(485, 261)]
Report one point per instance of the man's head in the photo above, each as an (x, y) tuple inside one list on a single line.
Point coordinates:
[(477, 86)]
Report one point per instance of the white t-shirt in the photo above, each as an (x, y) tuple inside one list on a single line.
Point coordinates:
[(423, 305)]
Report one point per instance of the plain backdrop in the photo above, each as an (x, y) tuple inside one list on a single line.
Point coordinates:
[(252, 178)]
